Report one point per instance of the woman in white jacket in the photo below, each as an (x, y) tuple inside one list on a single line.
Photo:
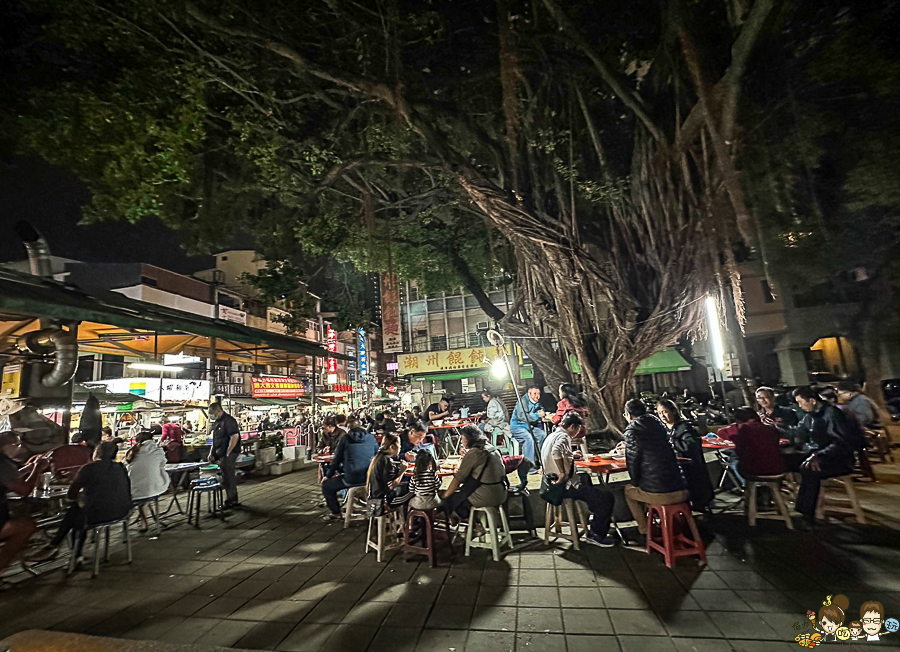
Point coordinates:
[(146, 464)]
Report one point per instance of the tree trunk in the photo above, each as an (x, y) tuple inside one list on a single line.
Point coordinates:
[(873, 324)]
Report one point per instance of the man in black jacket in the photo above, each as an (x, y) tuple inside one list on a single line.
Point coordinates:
[(826, 435), (655, 476)]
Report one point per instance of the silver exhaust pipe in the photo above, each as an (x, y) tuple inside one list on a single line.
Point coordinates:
[(37, 247), (48, 340)]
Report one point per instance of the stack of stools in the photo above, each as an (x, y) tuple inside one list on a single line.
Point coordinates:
[(427, 546), (215, 499), (671, 541)]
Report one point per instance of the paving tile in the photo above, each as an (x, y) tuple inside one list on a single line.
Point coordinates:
[(396, 639), (264, 636), (746, 580), (225, 633), (624, 598), (592, 643), (769, 601), (307, 638), (532, 642), (369, 614), (744, 625), (690, 624), (450, 617), (700, 645), (540, 561), (494, 618), (491, 642), (632, 621), (646, 644), (400, 615), (221, 607), (531, 619), (586, 621), (351, 638), (580, 597), (532, 577), (717, 600), (538, 596), (442, 639)]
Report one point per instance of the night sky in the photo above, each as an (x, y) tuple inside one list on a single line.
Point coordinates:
[(51, 199)]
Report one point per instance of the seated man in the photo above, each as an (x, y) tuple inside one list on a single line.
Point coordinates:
[(557, 458), (527, 429), (383, 424), (771, 414), (830, 444), (756, 449), (414, 440), (107, 497), (351, 460), (655, 476), (862, 407), (15, 533)]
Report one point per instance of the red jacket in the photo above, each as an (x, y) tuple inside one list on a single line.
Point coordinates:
[(756, 447), (563, 408)]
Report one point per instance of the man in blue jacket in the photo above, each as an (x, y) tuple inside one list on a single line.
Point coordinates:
[(351, 462), (830, 442), (528, 412)]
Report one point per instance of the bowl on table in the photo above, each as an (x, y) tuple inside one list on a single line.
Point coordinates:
[(437, 422)]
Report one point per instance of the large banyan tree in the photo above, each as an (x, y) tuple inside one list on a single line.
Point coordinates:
[(592, 144)]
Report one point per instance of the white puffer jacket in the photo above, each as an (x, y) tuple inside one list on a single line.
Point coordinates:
[(147, 472)]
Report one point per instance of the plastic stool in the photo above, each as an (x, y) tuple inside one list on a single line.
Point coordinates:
[(353, 493), (668, 543), (496, 538), (214, 499), (101, 529), (553, 520), (773, 482), (153, 505), (379, 544), (526, 519), (855, 509), (429, 549)]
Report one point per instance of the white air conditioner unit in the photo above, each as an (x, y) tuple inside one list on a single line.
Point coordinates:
[(482, 326)]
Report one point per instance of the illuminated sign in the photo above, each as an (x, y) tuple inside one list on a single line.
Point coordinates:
[(332, 348), (363, 351), (277, 387)]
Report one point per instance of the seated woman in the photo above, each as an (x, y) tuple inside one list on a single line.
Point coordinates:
[(384, 479), (107, 498), (570, 400), (686, 442), (481, 479), (146, 464)]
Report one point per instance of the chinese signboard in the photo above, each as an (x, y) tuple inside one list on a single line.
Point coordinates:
[(341, 388), (455, 360), (277, 387), (173, 389), (390, 314), (232, 314), (332, 362), (363, 350)]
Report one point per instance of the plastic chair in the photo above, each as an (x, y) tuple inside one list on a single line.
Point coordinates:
[(672, 543), (98, 529), (390, 519), (429, 548), (353, 493), (568, 515), (215, 498), (773, 483), (493, 538), (822, 506), (66, 461)]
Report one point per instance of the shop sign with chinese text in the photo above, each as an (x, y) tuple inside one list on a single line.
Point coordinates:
[(277, 387), (454, 360)]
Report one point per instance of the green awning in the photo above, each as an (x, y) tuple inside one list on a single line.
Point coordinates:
[(663, 362), (280, 401), (453, 375)]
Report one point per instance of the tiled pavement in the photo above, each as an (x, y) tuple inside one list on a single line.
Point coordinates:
[(275, 577)]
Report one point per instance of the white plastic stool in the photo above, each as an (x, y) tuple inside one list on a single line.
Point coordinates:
[(389, 522), (855, 509), (353, 494), (493, 538), (553, 520)]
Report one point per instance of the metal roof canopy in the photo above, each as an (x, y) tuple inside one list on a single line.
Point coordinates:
[(115, 324)]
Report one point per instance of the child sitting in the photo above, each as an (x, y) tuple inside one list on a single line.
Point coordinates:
[(425, 483)]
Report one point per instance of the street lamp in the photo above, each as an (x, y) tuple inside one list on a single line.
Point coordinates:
[(717, 346), (498, 368)]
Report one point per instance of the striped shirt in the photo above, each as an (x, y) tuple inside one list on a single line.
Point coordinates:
[(425, 485)]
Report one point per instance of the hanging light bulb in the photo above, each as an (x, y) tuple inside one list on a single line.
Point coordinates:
[(498, 369)]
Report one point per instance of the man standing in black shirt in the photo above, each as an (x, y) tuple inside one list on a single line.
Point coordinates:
[(226, 446)]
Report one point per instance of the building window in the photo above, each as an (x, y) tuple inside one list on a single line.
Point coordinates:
[(768, 296), (223, 258)]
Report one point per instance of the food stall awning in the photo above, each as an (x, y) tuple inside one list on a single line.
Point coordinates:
[(115, 324), (662, 362), (244, 401), (81, 392)]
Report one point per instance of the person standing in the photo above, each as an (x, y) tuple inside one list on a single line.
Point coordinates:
[(526, 428), (226, 447), (15, 533), (830, 444), (557, 458), (655, 476), (571, 400)]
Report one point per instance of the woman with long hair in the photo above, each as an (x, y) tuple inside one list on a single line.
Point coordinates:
[(384, 479), (571, 400), (686, 442)]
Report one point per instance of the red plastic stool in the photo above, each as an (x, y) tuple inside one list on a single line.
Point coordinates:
[(674, 544), (428, 549)]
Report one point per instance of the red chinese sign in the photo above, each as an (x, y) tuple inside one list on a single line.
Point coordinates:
[(392, 340), (276, 387), (332, 347), (342, 388)]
